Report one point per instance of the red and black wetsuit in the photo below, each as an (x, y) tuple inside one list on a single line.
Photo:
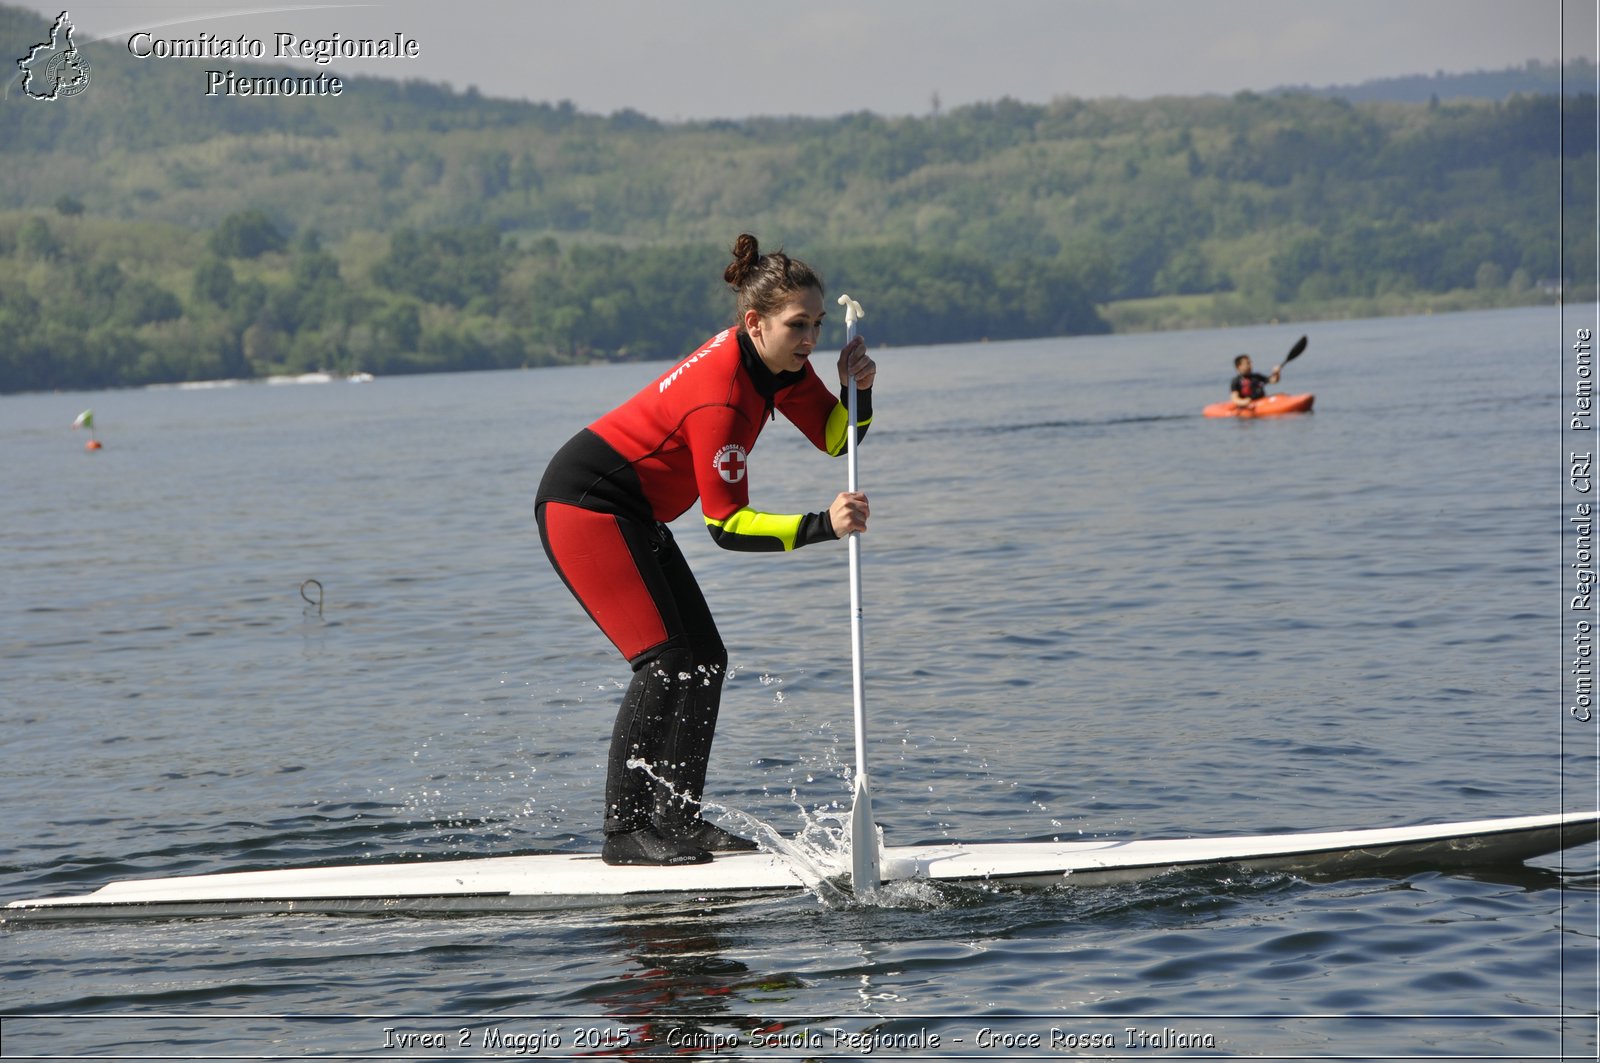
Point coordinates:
[(603, 508)]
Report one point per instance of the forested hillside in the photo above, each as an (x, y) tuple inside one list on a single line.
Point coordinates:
[(149, 233), (1531, 79)]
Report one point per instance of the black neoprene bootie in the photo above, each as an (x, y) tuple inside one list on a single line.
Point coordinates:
[(645, 846), (709, 837)]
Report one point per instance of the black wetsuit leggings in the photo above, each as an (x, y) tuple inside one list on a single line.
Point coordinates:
[(634, 583)]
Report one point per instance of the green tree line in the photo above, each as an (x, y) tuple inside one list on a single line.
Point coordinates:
[(89, 303)]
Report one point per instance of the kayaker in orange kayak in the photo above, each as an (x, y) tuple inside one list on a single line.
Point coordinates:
[(1249, 386)]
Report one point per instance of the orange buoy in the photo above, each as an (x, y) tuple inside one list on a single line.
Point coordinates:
[(86, 420)]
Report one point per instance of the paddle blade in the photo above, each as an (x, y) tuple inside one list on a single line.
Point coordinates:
[(1295, 351), (864, 874)]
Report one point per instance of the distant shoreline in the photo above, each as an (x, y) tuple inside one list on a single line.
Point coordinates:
[(1175, 313)]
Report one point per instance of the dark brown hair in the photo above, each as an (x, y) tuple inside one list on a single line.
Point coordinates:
[(765, 282)]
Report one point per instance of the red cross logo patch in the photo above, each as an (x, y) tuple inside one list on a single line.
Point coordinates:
[(730, 463)]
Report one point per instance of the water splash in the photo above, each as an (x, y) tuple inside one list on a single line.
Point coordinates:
[(818, 853)]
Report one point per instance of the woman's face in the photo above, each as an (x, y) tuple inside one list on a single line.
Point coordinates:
[(785, 339)]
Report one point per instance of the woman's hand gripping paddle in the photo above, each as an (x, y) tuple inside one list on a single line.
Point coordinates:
[(864, 873)]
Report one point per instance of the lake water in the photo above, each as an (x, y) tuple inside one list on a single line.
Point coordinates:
[(1090, 612)]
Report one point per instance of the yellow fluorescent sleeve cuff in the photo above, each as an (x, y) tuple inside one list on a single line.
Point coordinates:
[(837, 434), (748, 523)]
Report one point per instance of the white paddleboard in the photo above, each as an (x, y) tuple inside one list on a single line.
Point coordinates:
[(561, 881)]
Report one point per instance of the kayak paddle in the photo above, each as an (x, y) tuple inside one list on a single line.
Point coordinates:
[(1294, 352), (864, 874)]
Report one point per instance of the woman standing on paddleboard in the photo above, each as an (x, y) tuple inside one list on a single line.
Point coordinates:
[(603, 508)]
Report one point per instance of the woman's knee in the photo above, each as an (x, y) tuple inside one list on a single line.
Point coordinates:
[(676, 659)]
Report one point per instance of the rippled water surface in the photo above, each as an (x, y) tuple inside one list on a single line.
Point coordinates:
[(1090, 612)]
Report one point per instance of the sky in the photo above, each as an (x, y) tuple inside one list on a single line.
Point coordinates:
[(680, 60)]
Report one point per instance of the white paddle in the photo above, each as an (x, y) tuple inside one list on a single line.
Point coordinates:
[(864, 875)]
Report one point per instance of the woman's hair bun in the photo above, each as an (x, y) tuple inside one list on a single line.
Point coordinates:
[(746, 260)]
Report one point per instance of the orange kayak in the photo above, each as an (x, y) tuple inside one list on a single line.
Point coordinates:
[(1271, 406)]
